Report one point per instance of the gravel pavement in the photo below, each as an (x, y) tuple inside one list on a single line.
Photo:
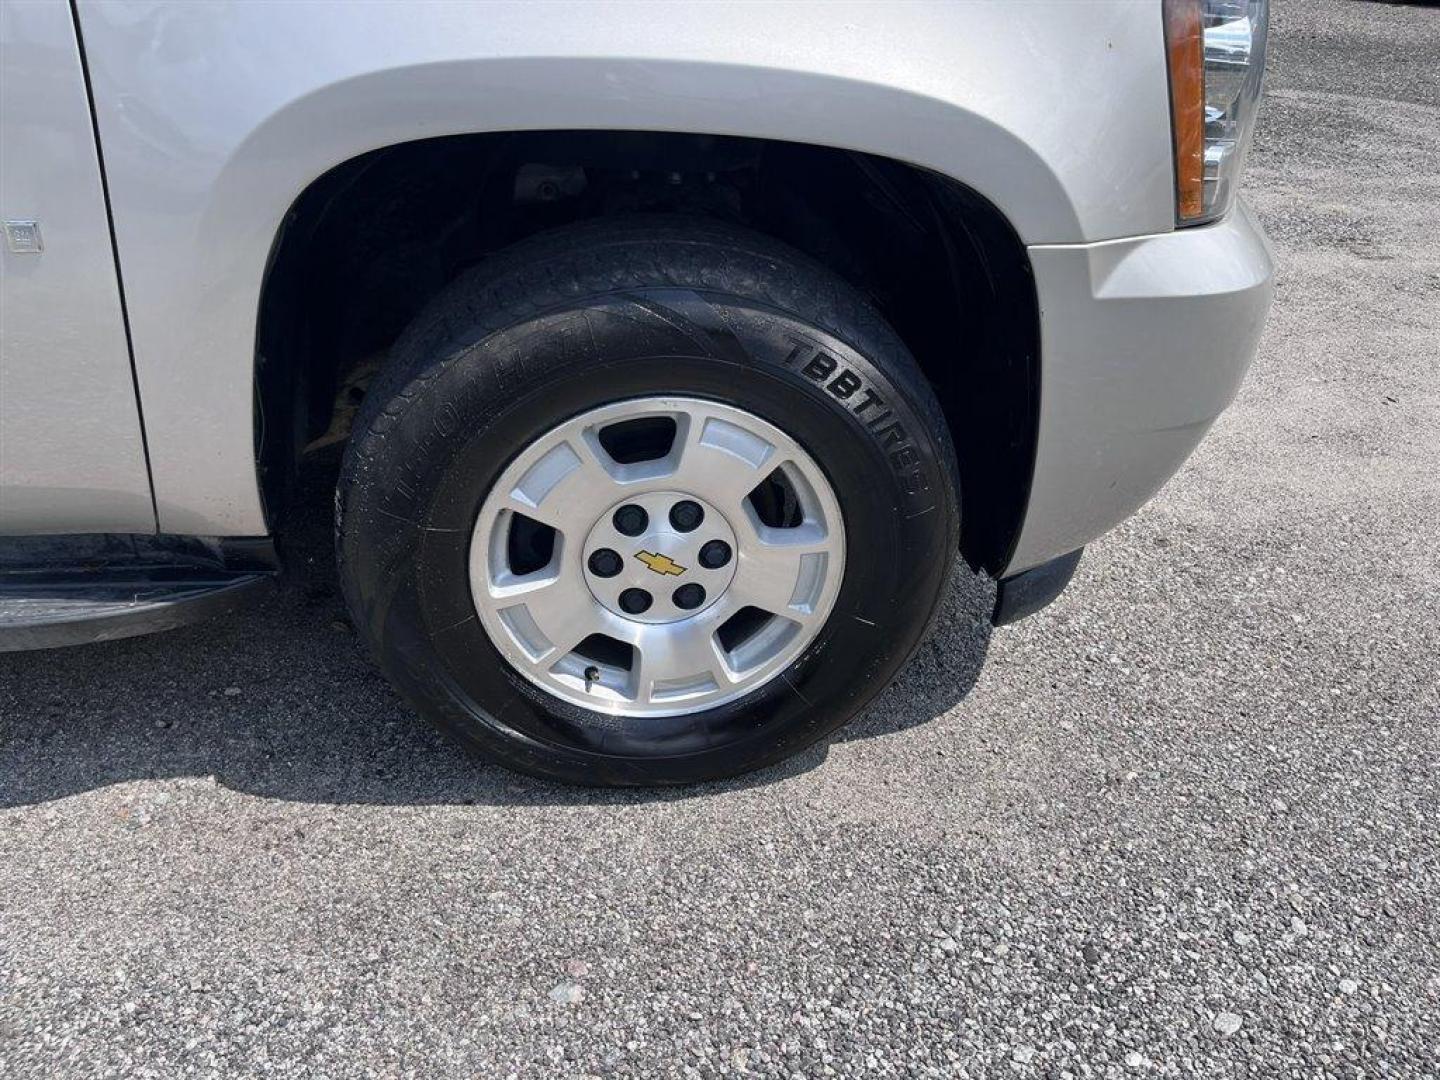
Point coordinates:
[(1183, 823)]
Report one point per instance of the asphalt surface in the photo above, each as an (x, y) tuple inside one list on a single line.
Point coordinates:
[(1183, 823)]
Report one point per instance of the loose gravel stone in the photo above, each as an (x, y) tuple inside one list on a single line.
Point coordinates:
[(1227, 1023), (568, 993)]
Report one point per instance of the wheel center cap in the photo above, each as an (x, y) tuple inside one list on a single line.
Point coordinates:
[(660, 557)]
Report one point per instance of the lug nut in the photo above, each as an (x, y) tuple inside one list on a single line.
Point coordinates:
[(630, 520), (686, 515), (634, 601), (606, 563), (715, 554), (687, 597)]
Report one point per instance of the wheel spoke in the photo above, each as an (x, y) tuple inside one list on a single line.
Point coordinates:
[(783, 571), (723, 460), (766, 583), (566, 488), (675, 658), (558, 605)]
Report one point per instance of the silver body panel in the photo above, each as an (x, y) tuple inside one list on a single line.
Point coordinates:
[(1143, 342), (71, 457), (214, 117)]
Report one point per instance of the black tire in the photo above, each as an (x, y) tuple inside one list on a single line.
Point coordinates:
[(671, 306)]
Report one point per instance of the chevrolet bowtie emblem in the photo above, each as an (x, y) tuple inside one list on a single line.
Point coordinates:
[(661, 564)]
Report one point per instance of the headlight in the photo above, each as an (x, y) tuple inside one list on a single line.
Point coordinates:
[(1216, 52)]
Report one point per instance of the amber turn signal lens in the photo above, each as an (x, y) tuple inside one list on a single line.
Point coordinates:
[(1185, 48)]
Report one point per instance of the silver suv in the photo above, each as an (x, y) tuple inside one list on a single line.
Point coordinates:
[(676, 351)]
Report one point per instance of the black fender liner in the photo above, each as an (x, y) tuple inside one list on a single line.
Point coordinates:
[(1030, 590)]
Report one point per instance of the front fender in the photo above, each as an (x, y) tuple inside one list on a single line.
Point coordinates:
[(214, 117)]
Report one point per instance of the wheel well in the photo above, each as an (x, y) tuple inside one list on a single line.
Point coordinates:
[(368, 243)]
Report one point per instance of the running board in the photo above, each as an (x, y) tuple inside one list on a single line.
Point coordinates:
[(72, 590)]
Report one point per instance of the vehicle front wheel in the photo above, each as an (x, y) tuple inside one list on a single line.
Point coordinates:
[(646, 502)]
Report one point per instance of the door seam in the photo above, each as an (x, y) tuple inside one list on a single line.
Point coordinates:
[(115, 255)]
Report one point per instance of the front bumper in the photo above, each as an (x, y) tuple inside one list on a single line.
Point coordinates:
[(1143, 342)]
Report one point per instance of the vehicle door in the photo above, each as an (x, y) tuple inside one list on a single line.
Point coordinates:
[(72, 452)]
